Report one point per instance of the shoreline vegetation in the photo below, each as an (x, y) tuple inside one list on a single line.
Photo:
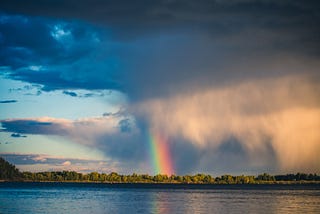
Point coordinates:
[(9, 173)]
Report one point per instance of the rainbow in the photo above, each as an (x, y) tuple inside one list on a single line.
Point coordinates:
[(160, 155)]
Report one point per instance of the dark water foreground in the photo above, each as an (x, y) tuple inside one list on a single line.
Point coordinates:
[(156, 198)]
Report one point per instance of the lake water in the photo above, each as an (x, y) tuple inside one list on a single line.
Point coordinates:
[(110, 198)]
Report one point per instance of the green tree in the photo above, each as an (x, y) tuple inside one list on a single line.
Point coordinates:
[(9, 171), (94, 176)]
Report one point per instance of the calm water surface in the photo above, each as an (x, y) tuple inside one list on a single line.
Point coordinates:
[(104, 198)]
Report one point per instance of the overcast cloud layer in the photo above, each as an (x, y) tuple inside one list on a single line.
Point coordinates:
[(234, 85)]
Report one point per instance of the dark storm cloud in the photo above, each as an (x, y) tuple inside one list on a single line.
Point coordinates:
[(216, 17), (17, 50), (8, 101), (42, 38), (155, 47), (178, 49), (55, 53), (160, 12)]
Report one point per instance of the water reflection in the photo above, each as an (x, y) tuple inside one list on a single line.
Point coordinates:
[(235, 201), (160, 203), (115, 200), (302, 201)]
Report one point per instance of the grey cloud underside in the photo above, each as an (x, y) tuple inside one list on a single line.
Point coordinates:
[(32, 127), (229, 157)]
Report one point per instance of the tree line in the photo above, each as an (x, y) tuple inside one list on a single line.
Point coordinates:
[(10, 172), (114, 177)]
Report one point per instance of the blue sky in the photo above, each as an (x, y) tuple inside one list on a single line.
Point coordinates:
[(233, 85)]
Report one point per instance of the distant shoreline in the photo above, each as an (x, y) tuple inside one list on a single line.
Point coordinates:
[(9, 173), (161, 186), (168, 183)]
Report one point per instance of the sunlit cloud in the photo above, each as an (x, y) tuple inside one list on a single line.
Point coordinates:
[(84, 131), (281, 113)]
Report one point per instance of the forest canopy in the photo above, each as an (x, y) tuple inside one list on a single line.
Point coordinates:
[(9, 172)]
